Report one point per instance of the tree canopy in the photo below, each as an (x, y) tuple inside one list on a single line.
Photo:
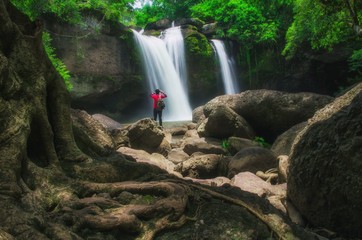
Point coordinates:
[(250, 22), (323, 24), (70, 10)]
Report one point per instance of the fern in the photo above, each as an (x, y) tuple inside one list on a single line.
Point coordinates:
[(57, 63)]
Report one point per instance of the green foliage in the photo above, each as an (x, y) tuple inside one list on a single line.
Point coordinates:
[(198, 45), (261, 141), (148, 199), (250, 22), (160, 9), (355, 66), (57, 63), (225, 144), (70, 10), (320, 25), (149, 13), (355, 61)]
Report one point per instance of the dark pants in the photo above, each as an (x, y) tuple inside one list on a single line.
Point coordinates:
[(159, 113)]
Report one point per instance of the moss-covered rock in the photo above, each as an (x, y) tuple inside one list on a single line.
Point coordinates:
[(197, 44), (201, 64)]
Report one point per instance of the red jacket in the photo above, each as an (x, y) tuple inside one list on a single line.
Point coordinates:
[(155, 97)]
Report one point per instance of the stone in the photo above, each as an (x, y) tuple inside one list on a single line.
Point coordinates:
[(325, 174)]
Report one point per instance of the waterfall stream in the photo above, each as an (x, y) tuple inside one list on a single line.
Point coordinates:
[(176, 48), (227, 69), (162, 73)]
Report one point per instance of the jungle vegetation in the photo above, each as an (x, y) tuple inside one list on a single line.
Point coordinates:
[(287, 25)]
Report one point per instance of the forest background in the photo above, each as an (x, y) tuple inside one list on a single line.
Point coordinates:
[(291, 28)]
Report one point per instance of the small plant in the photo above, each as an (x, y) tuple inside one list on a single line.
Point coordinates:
[(261, 141), (225, 144), (57, 63), (148, 199)]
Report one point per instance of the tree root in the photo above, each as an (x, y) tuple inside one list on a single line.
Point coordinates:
[(275, 223), (99, 209), (166, 213)]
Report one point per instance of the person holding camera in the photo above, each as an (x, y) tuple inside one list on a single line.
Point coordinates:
[(158, 104)]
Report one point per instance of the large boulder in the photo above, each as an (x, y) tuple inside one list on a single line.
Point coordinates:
[(269, 112), (198, 114), (209, 29), (283, 144), (325, 173), (202, 145), (145, 134), (161, 24), (235, 144), (177, 155), (252, 159), (232, 124), (109, 123), (249, 182), (190, 21), (155, 159), (90, 135), (203, 166)]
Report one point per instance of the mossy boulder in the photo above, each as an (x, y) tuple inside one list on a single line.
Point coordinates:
[(199, 54)]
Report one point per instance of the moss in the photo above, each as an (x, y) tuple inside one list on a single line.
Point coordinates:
[(154, 33), (197, 44), (128, 39)]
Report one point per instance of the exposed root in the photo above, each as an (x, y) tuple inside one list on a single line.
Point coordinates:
[(166, 213), (100, 210), (273, 221), (270, 176), (160, 225)]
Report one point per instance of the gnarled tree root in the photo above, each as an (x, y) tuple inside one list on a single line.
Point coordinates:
[(98, 208), (165, 213)]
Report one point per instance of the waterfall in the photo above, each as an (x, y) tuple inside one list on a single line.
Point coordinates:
[(176, 48), (161, 73), (227, 69)]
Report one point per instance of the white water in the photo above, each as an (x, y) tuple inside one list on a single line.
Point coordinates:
[(161, 73), (227, 70), (176, 48)]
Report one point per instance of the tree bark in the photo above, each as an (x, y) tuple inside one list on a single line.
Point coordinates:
[(34, 102)]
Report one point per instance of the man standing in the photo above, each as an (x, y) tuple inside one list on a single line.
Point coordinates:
[(157, 111)]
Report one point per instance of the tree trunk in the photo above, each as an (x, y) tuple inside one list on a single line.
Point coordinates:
[(34, 103)]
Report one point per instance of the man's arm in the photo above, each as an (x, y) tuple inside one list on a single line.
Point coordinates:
[(163, 94)]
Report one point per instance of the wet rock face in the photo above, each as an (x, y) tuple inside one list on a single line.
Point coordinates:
[(324, 180), (104, 66), (232, 124)]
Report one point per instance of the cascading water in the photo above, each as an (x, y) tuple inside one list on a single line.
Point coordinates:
[(176, 48), (227, 70), (161, 73)]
